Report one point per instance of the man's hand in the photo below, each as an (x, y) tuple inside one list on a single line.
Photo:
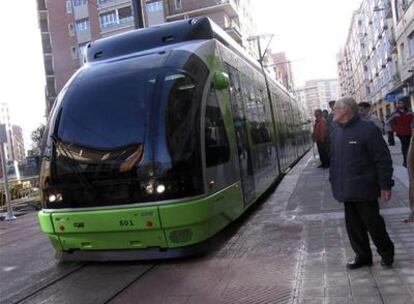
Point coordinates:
[(385, 195)]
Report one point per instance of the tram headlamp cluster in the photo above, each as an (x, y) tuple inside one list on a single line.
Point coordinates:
[(150, 188), (55, 197)]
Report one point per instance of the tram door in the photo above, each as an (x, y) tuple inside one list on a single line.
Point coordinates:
[(243, 147)]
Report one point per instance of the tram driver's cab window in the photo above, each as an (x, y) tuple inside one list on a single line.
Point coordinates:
[(216, 140)]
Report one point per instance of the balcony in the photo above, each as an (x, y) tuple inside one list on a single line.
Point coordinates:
[(47, 46), (44, 27), (48, 61), (41, 5), (103, 4), (117, 25), (233, 29), (201, 8)]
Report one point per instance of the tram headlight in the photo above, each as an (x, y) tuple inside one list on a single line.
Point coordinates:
[(160, 189), (149, 188), (52, 198)]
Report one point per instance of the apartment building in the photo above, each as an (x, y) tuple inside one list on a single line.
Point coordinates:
[(403, 45), (18, 144), (67, 26), (282, 70), (317, 93), (375, 63), (5, 119)]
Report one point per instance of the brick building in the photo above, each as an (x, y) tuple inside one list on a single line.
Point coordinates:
[(67, 26)]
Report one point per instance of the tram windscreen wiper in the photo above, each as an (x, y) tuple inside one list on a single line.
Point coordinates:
[(73, 163)]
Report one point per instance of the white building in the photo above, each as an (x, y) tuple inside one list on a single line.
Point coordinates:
[(317, 93), (5, 119), (374, 64)]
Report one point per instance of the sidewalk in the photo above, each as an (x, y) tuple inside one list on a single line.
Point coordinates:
[(323, 277)]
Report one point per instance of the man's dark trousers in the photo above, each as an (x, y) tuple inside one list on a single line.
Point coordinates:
[(364, 217), (405, 144), (323, 150)]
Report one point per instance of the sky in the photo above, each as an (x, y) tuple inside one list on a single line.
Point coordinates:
[(310, 32), (22, 78)]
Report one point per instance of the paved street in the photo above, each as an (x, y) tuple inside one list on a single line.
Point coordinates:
[(292, 247)]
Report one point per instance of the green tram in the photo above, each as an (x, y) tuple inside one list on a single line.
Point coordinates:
[(164, 137)]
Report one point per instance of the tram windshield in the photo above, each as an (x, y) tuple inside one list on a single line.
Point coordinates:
[(128, 135), (108, 111)]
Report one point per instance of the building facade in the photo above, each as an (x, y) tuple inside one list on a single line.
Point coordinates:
[(317, 93), (5, 119), (15, 150), (403, 21), (67, 26), (282, 70), (18, 144), (374, 64)]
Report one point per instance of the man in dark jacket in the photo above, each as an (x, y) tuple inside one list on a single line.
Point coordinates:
[(360, 172)]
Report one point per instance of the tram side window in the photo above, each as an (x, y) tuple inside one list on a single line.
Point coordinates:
[(216, 140)]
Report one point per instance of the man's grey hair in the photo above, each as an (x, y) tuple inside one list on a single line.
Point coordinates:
[(350, 104)]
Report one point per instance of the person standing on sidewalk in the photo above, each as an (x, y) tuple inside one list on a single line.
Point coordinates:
[(402, 121), (389, 131), (320, 137), (360, 172), (410, 163), (365, 113)]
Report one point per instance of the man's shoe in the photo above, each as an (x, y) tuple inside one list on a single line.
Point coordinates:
[(387, 261), (355, 265), (320, 166)]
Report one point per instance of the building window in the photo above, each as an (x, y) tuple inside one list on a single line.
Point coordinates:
[(125, 14), (226, 21), (402, 53), (154, 6), (82, 25), (119, 16), (74, 52), (71, 29), (82, 52), (155, 13), (69, 7), (410, 40), (79, 2), (178, 5), (108, 19)]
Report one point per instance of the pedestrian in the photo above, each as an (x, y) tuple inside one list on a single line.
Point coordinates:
[(389, 131), (325, 114), (365, 113), (401, 121), (410, 163), (320, 137), (330, 117), (361, 171)]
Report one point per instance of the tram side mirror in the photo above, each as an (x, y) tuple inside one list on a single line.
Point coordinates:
[(220, 80)]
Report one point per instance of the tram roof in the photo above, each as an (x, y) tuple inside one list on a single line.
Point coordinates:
[(163, 35), (157, 36)]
